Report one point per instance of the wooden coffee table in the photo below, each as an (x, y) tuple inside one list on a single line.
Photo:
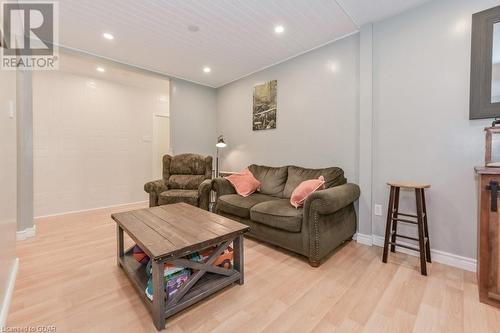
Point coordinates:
[(168, 233)]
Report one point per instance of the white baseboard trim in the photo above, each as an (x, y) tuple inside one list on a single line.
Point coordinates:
[(91, 209), (364, 239), (442, 257), (4, 310), (26, 233)]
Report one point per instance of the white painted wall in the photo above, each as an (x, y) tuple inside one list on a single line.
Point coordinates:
[(365, 160), (92, 139), (192, 118), (24, 101), (317, 120), (8, 178), (421, 110)]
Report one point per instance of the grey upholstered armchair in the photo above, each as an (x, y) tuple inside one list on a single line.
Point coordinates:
[(186, 178)]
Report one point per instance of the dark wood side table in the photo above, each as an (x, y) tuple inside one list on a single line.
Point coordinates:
[(169, 233), (488, 236)]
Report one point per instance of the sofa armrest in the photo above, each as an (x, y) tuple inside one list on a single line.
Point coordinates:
[(204, 194), (156, 186), (222, 186), (332, 199), (324, 229)]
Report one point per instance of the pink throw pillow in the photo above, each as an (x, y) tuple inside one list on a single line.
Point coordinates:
[(244, 183), (301, 192)]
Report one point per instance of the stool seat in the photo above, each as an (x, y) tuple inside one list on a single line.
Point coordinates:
[(409, 184)]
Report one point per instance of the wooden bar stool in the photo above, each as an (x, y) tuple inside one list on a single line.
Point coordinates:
[(394, 216)]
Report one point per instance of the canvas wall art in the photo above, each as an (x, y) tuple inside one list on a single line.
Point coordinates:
[(264, 106)]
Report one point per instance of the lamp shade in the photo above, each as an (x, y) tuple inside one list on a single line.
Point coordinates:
[(220, 142)]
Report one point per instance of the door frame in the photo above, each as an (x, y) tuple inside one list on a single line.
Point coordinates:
[(155, 116)]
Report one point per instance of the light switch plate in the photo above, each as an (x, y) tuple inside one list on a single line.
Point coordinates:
[(12, 110), (378, 210)]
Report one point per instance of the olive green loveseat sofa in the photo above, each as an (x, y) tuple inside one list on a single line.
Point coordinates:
[(326, 221)]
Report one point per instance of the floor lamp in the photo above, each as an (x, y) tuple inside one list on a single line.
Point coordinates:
[(220, 144)]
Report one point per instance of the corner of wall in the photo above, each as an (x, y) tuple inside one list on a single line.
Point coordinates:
[(26, 233), (24, 150), (365, 150)]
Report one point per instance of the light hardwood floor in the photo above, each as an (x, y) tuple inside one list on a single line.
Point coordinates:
[(68, 277)]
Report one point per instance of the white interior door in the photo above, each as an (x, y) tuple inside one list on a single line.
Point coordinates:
[(161, 142)]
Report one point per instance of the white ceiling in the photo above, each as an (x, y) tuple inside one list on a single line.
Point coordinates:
[(367, 11), (85, 66), (235, 37)]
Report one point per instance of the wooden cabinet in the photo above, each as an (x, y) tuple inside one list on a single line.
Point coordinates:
[(488, 262)]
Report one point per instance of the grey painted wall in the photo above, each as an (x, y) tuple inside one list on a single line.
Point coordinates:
[(192, 118), (420, 68), (24, 150), (365, 165), (8, 180), (421, 62), (421, 131), (317, 120)]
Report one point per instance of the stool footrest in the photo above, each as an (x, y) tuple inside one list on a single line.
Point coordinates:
[(426, 239), (403, 236), (404, 214), (405, 246), (408, 215), (404, 220)]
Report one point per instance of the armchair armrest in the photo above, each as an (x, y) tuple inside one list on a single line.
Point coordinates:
[(332, 199), (222, 186), (204, 194), (156, 186)]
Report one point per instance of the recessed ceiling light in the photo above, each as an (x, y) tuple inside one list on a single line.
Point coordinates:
[(100, 69), (279, 29), (207, 69), (108, 36)]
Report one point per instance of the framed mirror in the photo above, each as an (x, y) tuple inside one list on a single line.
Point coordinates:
[(485, 65)]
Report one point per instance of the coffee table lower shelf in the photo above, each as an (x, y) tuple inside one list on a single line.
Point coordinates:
[(208, 284)]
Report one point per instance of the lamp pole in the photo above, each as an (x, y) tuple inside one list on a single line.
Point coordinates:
[(220, 144), (217, 164)]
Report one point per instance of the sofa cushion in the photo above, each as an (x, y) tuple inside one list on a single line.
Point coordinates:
[(301, 192), (185, 182), (240, 206), (175, 196), (244, 182), (272, 179), (278, 214), (296, 175)]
